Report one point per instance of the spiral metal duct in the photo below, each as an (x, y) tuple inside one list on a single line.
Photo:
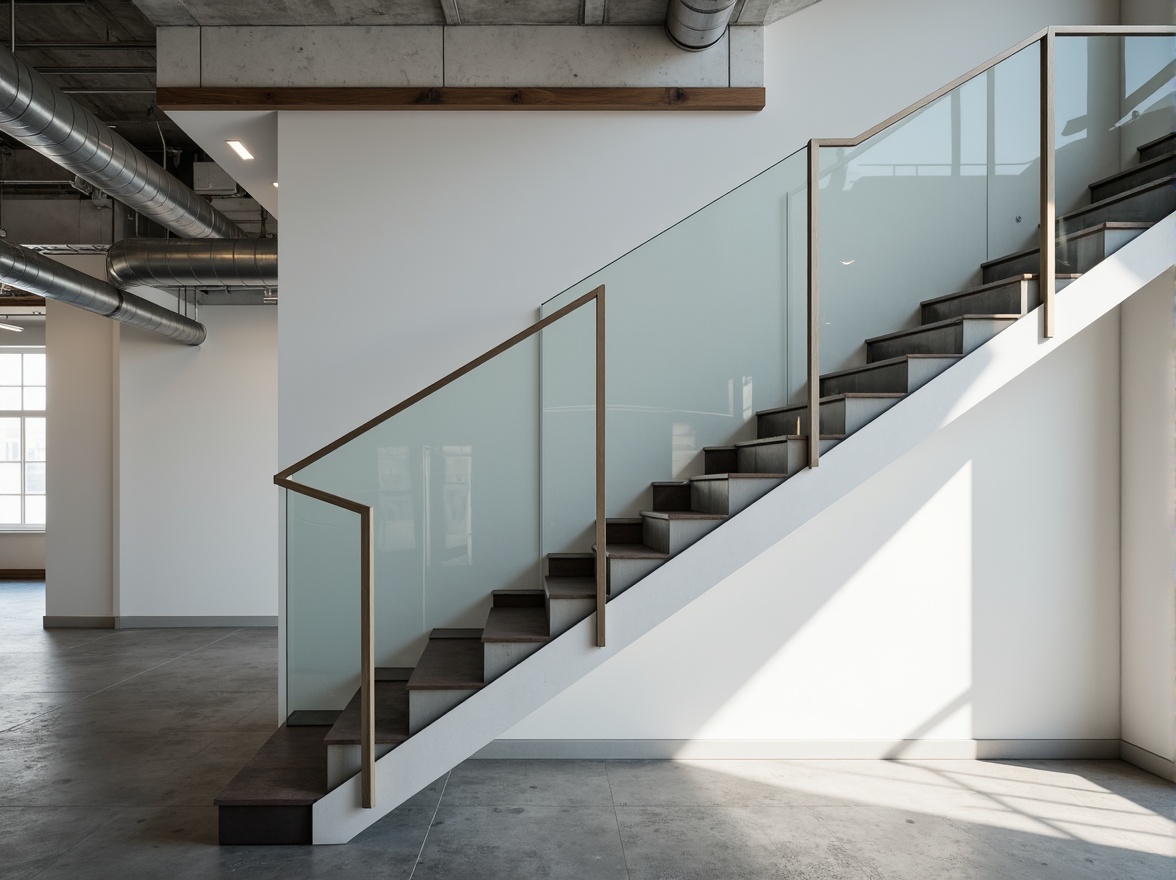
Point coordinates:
[(695, 25), (203, 262), (34, 273), (40, 116)]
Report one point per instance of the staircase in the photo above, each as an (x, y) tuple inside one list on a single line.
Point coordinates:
[(271, 799)]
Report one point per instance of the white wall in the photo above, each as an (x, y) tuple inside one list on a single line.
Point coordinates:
[(969, 591), (197, 453), (413, 241), (1148, 471), (22, 550), (79, 537)]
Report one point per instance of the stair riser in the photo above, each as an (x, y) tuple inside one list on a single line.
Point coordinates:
[(528, 599), (1014, 298), (623, 532), (719, 461), (1149, 206), (837, 417), (671, 496), (426, 706), (901, 378), (1158, 148), (728, 497), (1132, 178), (1074, 256), (582, 565), (768, 458), (563, 614), (675, 535), (498, 657), (962, 338), (623, 573), (344, 762)]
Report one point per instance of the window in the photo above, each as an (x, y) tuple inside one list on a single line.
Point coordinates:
[(22, 438)]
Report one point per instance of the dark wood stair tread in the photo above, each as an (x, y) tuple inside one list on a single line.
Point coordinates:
[(889, 362), (450, 663), (768, 441), (993, 285), (289, 770), (1089, 230), (935, 325), (1154, 162), (1170, 136), (859, 395), (391, 717), (682, 514), (703, 478), (571, 587), (516, 625), (454, 633), (633, 551), (1158, 183)]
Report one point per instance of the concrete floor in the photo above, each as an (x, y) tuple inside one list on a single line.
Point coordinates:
[(113, 744)]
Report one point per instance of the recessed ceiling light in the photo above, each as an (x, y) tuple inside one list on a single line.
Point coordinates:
[(239, 148)]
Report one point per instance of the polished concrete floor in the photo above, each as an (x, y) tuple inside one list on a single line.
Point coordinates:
[(113, 744)]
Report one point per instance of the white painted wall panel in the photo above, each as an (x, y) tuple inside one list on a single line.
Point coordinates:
[(198, 524), (22, 550)]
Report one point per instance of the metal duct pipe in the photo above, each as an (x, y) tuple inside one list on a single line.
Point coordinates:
[(695, 25), (34, 273), (40, 116), (207, 262)]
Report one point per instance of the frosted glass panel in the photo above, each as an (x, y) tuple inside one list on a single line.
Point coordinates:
[(453, 481), (914, 211), (705, 324)]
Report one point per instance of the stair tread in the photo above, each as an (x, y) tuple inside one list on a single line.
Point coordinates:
[(391, 717), (516, 625), (568, 555), (571, 587), (738, 476), (1158, 183), (633, 551), (1170, 136), (455, 633), (1089, 230), (290, 769), (935, 325), (1154, 162), (681, 514), (623, 520), (857, 395), (889, 362), (717, 448), (991, 285), (449, 664), (767, 441)]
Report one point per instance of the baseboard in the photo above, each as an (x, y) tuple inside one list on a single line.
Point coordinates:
[(22, 574), (1147, 760), (682, 749), (259, 620), (64, 622)]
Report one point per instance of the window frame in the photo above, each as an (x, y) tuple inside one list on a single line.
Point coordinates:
[(24, 415)]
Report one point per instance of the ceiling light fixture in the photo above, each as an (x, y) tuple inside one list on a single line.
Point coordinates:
[(239, 148), (12, 327)]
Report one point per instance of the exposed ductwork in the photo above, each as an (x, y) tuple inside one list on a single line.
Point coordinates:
[(40, 116), (31, 272), (695, 25), (157, 262)]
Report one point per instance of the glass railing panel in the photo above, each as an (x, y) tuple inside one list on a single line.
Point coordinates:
[(912, 212), (704, 325), (454, 484), (1113, 95)]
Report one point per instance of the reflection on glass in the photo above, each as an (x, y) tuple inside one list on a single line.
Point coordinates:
[(34, 438), (10, 372), (9, 478), (10, 439), (35, 478)]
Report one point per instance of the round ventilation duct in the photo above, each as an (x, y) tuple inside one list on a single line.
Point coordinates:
[(695, 25)]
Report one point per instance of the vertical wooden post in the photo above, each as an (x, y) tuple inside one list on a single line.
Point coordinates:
[(1046, 282), (367, 672), (814, 310), (601, 561)]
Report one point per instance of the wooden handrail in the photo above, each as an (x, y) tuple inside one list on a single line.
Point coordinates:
[(367, 573)]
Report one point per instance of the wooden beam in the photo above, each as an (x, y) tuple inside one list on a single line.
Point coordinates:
[(689, 98), (25, 301)]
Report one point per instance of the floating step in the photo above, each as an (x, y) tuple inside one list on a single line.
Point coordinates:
[(719, 460), (517, 598), (898, 375), (343, 740), (1078, 254), (841, 414), (1017, 295), (1136, 175), (728, 494), (1147, 203), (673, 531), (269, 801), (780, 455), (571, 565), (623, 530), (671, 495), (629, 563), (1161, 145), (449, 672), (569, 600), (511, 635), (961, 336)]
